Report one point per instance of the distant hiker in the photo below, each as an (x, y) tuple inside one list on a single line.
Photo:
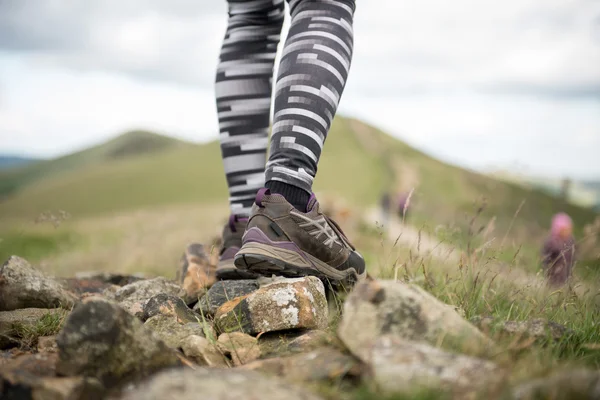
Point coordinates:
[(385, 205), (558, 253), (276, 224)]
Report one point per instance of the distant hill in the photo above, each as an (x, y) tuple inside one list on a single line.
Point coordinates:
[(358, 164), (129, 144), (12, 161)]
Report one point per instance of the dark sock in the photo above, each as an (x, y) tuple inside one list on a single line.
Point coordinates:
[(293, 194)]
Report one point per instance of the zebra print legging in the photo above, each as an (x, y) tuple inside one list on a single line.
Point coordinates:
[(312, 74)]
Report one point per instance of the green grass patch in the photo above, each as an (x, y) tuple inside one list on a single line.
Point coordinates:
[(34, 246), (49, 324)]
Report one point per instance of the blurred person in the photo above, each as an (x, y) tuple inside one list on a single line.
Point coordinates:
[(276, 224), (385, 205), (558, 252)]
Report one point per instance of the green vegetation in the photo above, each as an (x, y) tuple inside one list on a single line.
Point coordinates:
[(49, 324)]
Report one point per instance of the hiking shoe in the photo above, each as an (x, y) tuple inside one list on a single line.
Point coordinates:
[(232, 241), (281, 240)]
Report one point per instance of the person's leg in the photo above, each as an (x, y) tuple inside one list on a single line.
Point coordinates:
[(287, 234), (312, 74), (243, 90)]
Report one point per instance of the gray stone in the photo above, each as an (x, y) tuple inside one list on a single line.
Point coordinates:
[(47, 344), (169, 330), (574, 384), (101, 340), (14, 324), (375, 308), (217, 384), (286, 304), (536, 328), (399, 365), (324, 364), (22, 286), (286, 343), (169, 305), (133, 297), (202, 351), (240, 347), (222, 292), (107, 277)]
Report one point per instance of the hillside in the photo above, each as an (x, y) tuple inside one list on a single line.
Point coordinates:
[(126, 145), (13, 161), (358, 164)]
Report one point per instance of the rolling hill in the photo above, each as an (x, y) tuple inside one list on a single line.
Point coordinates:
[(126, 145), (13, 161), (141, 169)]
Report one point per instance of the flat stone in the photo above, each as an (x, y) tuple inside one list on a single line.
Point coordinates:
[(574, 384), (298, 303), (324, 364), (537, 328), (240, 347), (14, 323), (222, 292), (376, 308), (218, 384), (290, 342), (203, 352), (196, 274), (171, 332), (399, 365), (101, 340), (110, 278), (22, 286), (134, 296), (169, 305)]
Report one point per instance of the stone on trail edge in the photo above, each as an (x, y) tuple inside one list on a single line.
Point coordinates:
[(134, 296), (22, 286), (222, 292), (202, 352), (574, 384), (13, 322), (283, 304), (197, 274), (375, 308), (536, 328), (221, 384), (100, 339), (169, 305), (170, 331), (398, 365), (291, 342), (240, 347)]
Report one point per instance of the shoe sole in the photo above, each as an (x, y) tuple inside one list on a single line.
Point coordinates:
[(270, 260), (228, 271)]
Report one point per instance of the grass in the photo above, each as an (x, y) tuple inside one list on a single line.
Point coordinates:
[(49, 324)]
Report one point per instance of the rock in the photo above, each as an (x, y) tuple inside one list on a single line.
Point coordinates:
[(324, 364), (22, 286), (221, 384), (32, 377), (406, 311), (574, 384), (27, 324), (169, 330), (222, 292), (101, 340), (536, 328), (285, 343), (169, 305), (240, 347), (202, 352), (47, 344), (287, 304), (399, 365), (197, 274), (110, 278), (133, 297)]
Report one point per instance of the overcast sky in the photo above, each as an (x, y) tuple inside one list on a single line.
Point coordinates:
[(482, 83)]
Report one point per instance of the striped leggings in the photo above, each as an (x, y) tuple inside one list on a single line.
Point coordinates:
[(312, 74)]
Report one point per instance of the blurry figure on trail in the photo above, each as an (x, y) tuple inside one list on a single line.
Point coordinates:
[(385, 205), (558, 253), (276, 224)]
